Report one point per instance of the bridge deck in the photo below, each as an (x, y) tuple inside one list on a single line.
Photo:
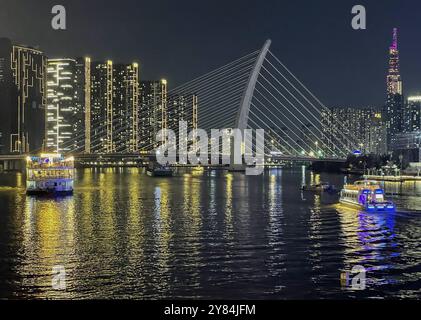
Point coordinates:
[(131, 156)]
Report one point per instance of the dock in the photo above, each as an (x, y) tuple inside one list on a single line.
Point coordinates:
[(393, 178)]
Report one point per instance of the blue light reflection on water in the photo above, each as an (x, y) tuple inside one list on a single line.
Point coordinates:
[(202, 235)]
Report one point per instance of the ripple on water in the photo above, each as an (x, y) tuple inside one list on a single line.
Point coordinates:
[(126, 235)]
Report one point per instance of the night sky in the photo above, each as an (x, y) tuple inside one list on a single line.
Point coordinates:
[(182, 39)]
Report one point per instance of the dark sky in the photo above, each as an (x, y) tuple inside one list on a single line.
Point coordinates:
[(182, 39)]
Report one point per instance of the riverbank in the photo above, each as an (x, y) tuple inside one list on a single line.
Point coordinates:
[(392, 178)]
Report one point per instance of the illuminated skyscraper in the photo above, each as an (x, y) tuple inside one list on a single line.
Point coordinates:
[(394, 81), (183, 108), (66, 105), (153, 112), (82, 106), (60, 95), (22, 98), (126, 107), (102, 107), (412, 117), (394, 107), (114, 107), (365, 125)]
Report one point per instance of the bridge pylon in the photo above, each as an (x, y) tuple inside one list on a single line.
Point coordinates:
[(241, 121)]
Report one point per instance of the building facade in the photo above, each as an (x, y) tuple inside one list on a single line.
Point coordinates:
[(153, 112), (394, 108), (407, 148), (102, 83), (22, 98), (412, 114), (68, 105), (366, 126), (65, 105), (114, 107), (126, 108)]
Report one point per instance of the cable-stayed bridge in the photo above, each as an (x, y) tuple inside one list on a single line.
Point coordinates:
[(256, 91)]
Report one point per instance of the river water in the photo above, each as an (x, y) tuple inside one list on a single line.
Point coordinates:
[(202, 235)]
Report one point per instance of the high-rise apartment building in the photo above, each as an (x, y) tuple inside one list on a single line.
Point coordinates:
[(412, 114), (22, 98), (81, 108), (102, 94), (126, 108), (153, 112), (183, 108), (365, 126), (66, 88), (114, 106)]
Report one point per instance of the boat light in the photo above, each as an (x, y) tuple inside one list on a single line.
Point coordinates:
[(50, 155)]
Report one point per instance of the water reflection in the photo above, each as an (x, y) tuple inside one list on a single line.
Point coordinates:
[(370, 241), (48, 239), (201, 234)]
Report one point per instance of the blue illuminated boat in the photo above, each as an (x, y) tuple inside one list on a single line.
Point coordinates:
[(49, 174), (366, 195)]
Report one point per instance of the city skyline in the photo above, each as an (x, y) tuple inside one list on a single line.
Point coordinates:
[(308, 52), (112, 98), (393, 85), (115, 94), (208, 156)]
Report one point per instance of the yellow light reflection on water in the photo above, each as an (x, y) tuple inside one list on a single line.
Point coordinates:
[(192, 218), (48, 240), (228, 200), (163, 228)]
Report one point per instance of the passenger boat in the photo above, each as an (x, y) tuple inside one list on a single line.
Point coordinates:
[(366, 195), (49, 174), (157, 170)]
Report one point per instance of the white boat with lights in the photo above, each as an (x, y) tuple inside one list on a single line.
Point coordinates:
[(366, 195), (156, 170), (49, 174)]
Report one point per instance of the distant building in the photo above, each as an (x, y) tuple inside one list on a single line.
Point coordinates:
[(153, 112), (394, 108), (102, 83), (412, 114), (407, 147), (126, 108), (22, 98), (183, 108), (65, 105), (92, 107), (178, 110), (82, 105), (114, 107), (365, 126)]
